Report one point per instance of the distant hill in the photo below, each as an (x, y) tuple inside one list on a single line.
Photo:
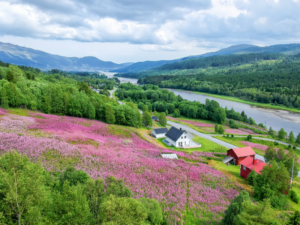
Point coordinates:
[(140, 66), (288, 49), (18, 55)]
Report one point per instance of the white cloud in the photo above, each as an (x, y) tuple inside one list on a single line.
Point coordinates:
[(170, 26)]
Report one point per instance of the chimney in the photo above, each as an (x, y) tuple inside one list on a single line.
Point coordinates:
[(180, 128), (255, 161)]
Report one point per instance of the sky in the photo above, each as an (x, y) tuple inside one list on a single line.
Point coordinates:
[(139, 30)]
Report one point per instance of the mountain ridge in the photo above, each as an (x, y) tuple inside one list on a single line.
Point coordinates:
[(19, 55), (136, 67)]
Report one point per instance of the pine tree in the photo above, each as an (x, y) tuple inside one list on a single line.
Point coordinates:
[(110, 114), (235, 207), (216, 128), (298, 139), (281, 133), (271, 132), (162, 119), (292, 137)]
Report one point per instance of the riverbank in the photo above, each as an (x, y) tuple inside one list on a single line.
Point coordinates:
[(235, 99)]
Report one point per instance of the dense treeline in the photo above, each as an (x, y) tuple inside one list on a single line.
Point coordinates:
[(215, 65), (97, 81), (31, 195), (220, 61), (62, 95), (161, 100), (277, 83)]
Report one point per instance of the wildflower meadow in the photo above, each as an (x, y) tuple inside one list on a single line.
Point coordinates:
[(102, 150)]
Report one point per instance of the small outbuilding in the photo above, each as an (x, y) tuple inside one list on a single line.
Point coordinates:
[(178, 138), (169, 156), (249, 164), (237, 155), (159, 132), (154, 118)]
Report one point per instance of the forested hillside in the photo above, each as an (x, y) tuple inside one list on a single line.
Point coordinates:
[(275, 81), (63, 94)]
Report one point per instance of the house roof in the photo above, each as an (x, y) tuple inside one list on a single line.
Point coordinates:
[(248, 162), (161, 130), (154, 118), (169, 156), (174, 134), (260, 157), (242, 152)]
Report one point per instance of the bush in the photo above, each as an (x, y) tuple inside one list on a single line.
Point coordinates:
[(276, 143), (235, 207), (279, 202), (251, 177), (294, 196), (221, 129), (249, 137)]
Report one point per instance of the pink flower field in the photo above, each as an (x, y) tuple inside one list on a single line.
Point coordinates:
[(103, 150), (192, 122), (258, 146)]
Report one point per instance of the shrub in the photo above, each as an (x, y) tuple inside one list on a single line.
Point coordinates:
[(276, 143), (249, 137), (279, 202), (251, 177), (235, 207), (294, 196), (221, 129)]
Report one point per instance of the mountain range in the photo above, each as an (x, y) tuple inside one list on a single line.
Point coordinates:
[(18, 55)]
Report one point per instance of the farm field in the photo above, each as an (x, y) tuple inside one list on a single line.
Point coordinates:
[(102, 150), (207, 127)]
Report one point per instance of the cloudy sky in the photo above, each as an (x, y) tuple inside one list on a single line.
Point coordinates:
[(139, 30)]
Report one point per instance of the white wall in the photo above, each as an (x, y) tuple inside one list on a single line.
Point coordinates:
[(185, 141), (158, 135)]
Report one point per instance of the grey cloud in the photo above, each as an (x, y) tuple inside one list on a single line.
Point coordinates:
[(264, 21)]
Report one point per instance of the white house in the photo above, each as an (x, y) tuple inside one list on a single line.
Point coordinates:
[(159, 132), (178, 137)]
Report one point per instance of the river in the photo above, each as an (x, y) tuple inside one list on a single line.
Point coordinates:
[(122, 79), (276, 119)]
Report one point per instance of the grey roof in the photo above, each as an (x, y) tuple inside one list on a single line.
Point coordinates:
[(227, 159), (154, 118), (260, 157), (161, 130), (174, 134), (169, 156)]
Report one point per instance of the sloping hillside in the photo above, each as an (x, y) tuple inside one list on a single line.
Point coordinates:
[(29, 57)]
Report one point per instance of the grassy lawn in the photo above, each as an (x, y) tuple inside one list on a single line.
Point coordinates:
[(262, 105), (206, 146), (232, 172), (19, 111)]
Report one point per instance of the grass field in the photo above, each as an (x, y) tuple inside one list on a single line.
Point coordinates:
[(206, 146), (232, 172), (262, 105)]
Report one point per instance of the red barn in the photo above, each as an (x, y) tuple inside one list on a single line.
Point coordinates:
[(249, 164), (237, 155)]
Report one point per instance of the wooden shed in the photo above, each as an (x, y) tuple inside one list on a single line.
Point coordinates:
[(249, 164), (237, 155)]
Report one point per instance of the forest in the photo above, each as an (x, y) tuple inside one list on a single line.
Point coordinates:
[(162, 100), (69, 197), (26, 87), (275, 82)]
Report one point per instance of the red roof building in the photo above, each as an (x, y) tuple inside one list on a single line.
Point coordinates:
[(249, 164), (237, 155)]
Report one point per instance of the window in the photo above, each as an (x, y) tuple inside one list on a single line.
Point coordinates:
[(244, 167), (184, 136), (181, 137)]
